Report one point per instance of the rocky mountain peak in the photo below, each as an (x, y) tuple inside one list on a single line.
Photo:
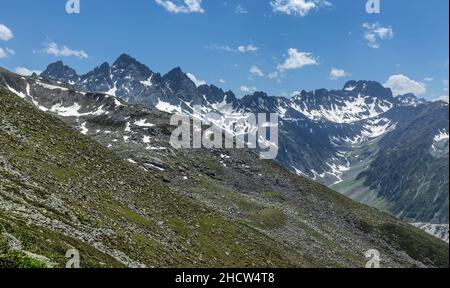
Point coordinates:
[(260, 101), (61, 72), (410, 100), (176, 74), (102, 70), (124, 60), (178, 81), (105, 67), (368, 88), (130, 65)]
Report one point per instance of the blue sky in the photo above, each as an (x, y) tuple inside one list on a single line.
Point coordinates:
[(278, 46)]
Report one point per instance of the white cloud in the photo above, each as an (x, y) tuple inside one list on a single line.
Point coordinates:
[(6, 52), (5, 33), (188, 6), (196, 81), (295, 93), (444, 98), (247, 89), (240, 49), (240, 9), (274, 75), (376, 32), (2, 53), (401, 84), (336, 73), (297, 59), (256, 71), (222, 81), (25, 71), (428, 79), (248, 48), (445, 83), (217, 47), (51, 48), (297, 7)]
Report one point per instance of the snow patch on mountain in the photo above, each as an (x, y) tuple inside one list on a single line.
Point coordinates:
[(440, 147), (51, 87), (440, 231), (154, 167), (20, 94), (299, 172), (348, 111), (117, 103), (127, 127), (83, 129), (371, 129), (375, 128), (148, 82), (155, 148), (350, 88), (113, 90), (143, 123), (410, 100), (167, 107), (441, 136), (196, 81), (337, 169), (73, 111)]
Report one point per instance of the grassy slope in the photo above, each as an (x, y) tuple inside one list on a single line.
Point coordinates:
[(47, 167)]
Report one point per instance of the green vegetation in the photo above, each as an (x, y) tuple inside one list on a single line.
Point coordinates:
[(269, 218), (277, 196), (413, 242), (10, 258)]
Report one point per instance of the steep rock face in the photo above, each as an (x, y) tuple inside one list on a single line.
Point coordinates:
[(333, 137), (126, 78), (287, 209), (59, 71)]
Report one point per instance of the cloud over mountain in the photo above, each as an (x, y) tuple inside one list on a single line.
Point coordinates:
[(337, 73), (297, 59), (52, 48), (401, 85), (5, 33), (375, 32)]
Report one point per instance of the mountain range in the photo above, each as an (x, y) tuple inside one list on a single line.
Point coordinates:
[(90, 171), (384, 151)]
